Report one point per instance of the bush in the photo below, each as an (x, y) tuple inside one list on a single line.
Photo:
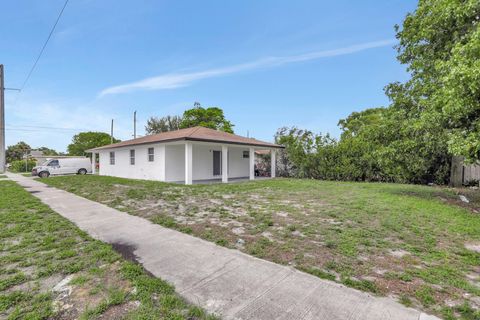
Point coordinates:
[(19, 165)]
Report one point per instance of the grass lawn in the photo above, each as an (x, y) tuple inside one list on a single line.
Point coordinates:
[(395, 240), (39, 249), (2, 176)]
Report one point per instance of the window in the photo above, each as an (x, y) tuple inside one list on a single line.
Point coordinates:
[(112, 157), (151, 154), (246, 154), (53, 163), (132, 157)]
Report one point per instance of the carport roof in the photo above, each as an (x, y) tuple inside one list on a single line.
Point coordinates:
[(192, 134)]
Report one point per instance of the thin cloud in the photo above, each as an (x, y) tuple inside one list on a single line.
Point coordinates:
[(178, 80)]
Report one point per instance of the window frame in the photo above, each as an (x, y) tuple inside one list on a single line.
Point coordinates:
[(112, 158), (132, 157), (246, 154), (53, 163), (151, 155)]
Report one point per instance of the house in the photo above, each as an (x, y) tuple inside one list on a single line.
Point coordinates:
[(40, 158), (187, 155)]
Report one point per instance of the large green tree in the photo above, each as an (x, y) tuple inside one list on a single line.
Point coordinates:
[(440, 44), (212, 117), (163, 124), (17, 151), (47, 151), (88, 140)]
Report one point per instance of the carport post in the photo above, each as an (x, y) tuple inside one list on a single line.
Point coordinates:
[(94, 162), (273, 163), (224, 164), (251, 160), (188, 163)]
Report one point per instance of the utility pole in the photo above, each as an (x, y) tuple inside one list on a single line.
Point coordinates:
[(2, 118), (26, 161), (111, 133), (2, 121), (135, 125)]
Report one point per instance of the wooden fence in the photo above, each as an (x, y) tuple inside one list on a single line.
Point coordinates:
[(463, 173)]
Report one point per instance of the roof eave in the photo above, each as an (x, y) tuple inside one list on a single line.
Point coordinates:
[(237, 143), (276, 146)]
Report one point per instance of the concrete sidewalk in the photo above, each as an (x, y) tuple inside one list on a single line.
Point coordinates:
[(223, 281)]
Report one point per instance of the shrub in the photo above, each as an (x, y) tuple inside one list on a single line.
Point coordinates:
[(19, 165)]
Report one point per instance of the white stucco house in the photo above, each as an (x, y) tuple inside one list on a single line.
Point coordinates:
[(187, 155)]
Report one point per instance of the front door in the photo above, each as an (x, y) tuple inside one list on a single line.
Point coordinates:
[(217, 163)]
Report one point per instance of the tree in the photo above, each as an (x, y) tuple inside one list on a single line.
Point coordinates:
[(17, 151), (356, 121), (432, 116), (47, 151), (158, 125), (88, 140), (212, 117), (307, 155), (440, 44)]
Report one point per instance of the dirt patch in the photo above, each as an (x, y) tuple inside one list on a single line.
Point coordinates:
[(119, 311), (72, 299), (49, 283), (473, 246), (399, 253), (238, 230)]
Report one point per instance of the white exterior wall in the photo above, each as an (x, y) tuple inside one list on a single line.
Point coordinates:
[(171, 157), (237, 165), (143, 169), (203, 162), (175, 162)]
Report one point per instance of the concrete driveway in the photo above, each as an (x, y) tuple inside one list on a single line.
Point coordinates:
[(223, 281)]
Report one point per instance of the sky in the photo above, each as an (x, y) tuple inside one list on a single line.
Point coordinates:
[(267, 64)]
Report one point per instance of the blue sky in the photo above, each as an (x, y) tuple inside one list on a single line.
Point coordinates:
[(267, 64)]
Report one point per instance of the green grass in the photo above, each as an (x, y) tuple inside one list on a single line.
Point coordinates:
[(39, 248), (387, 239), (2, 176)]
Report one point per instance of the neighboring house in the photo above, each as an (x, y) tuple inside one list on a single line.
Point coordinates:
[(40, 158), (186, 155)]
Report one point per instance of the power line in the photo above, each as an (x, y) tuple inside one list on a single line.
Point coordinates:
[(29, 128), (35, 130), (43, 127), (43, 47), (25, 130)]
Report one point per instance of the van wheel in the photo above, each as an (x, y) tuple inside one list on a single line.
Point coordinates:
[(82, 171), (43, 174)]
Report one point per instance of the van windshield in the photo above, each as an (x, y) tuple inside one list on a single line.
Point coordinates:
[(53, 163)]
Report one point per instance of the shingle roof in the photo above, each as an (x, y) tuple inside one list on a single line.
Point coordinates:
[(192, 134)]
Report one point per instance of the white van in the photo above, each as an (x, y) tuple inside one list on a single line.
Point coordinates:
[(59, 166)]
